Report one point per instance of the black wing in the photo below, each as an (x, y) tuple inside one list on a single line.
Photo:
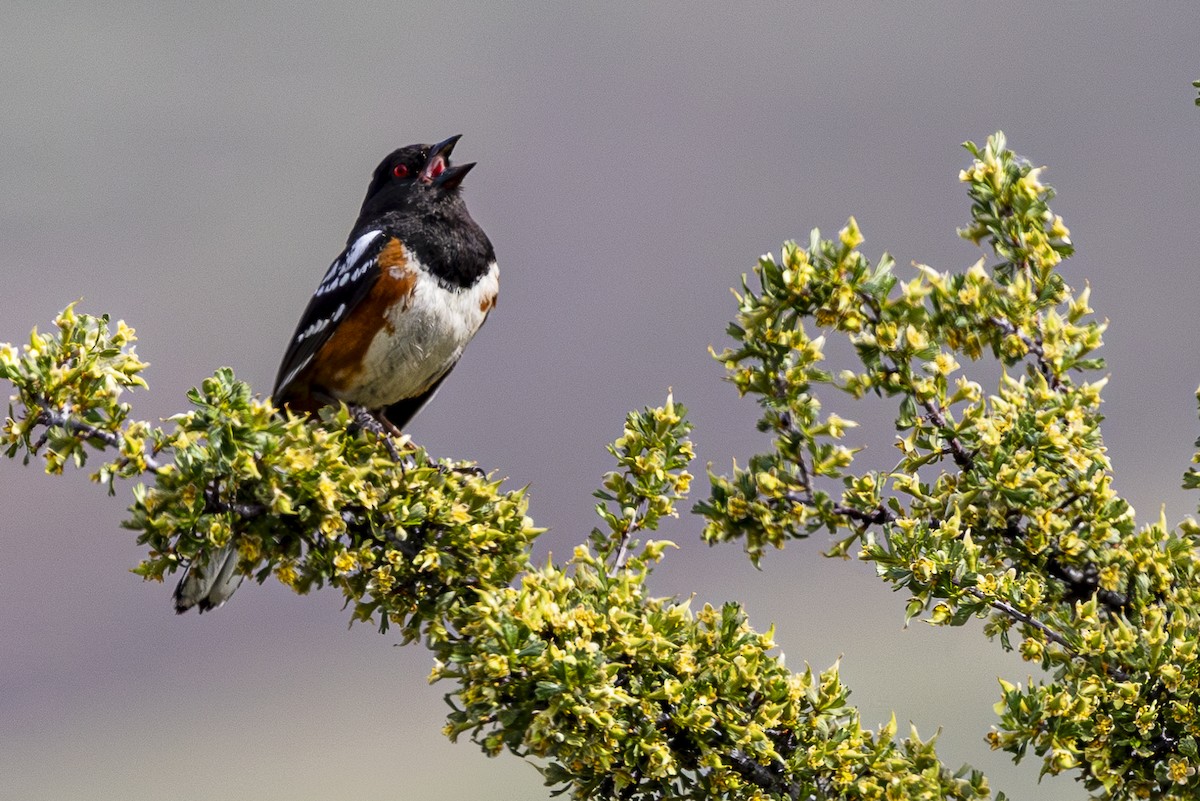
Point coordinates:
[(346, 283)]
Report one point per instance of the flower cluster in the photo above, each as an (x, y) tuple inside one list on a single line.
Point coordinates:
[(1001, 505), (613, 691)]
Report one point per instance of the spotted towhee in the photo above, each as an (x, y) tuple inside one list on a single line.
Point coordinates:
[(389, 320)]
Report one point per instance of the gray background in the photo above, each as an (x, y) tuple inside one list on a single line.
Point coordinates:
[(194, 168)]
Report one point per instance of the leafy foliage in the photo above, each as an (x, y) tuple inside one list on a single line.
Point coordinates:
[(1000, 506), (313, 504), (613, 691)]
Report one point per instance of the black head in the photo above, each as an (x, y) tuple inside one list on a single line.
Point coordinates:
[(413, 176)]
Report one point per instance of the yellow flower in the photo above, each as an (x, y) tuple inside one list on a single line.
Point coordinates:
[(1031, 650), (8, 355), (850, 236), (332, 525), (249, 548), (286, 575), (1060, 231), (496, 666), (923, 570), (1030, 184), (344, 562), (1180, 771), (914, 338), (219, 532), (838, 425), (945, 363), (383, 580), (327, 492), (459, 513)]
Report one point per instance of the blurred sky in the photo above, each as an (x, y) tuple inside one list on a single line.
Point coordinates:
[(193, 168)]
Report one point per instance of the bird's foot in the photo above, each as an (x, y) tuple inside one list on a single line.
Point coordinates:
[(463, 470), (366, 420)]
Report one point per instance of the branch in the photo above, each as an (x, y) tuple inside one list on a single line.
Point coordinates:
[(934, 412), (51, 417), (623, 544), (1022, 617), (1034, 346), (962, 458), (1050, 634), (768, 778), (1082, 583)]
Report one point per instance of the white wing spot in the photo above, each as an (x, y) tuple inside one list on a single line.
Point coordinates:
[(340, 271), (315, 327), (360, 245)]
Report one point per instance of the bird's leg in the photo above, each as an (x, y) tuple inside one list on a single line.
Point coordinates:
[(467, 470), (367, 420)]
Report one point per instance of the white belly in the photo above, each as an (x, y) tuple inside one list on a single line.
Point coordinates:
[(425, 338)]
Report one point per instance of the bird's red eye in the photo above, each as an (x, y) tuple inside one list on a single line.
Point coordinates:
[(400, 171)]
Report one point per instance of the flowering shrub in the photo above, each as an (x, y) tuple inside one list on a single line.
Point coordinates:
[(1000, 506)]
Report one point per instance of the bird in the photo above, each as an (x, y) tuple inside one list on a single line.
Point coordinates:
[(388, 321)]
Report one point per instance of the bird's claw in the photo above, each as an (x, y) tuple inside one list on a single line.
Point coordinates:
[(367, 421)]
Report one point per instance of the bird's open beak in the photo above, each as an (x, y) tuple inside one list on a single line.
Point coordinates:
[(438, 172)]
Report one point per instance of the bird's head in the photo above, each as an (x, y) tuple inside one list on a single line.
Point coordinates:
[(413, 175)]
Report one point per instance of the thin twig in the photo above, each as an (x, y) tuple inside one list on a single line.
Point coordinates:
[(1034, 346), (769, 778), (1082, 583), (1050, 634), (50, 417), (1017, 614), (623, 547), (962, 458)]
